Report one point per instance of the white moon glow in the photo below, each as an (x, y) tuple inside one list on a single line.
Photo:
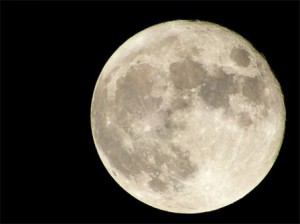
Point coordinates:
[(187, 116)]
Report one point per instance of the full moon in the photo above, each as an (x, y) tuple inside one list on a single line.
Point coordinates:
[(187, 116)]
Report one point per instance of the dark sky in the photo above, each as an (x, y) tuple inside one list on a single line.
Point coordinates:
[(52, 54)]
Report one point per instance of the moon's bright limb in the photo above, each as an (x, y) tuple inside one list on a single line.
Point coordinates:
[(187, 116)]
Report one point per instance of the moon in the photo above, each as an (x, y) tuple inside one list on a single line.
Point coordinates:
[(187, 116)]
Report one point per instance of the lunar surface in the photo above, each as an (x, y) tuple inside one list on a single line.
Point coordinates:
[(187, 116)]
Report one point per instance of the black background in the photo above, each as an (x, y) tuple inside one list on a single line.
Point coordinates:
[(52, 54)]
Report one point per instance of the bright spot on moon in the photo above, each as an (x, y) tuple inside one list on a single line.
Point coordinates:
[(187, 116)]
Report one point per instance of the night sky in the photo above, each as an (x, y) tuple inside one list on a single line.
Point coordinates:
[(52, 54)]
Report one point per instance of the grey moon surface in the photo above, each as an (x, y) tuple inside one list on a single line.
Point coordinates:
[(187, 116)]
